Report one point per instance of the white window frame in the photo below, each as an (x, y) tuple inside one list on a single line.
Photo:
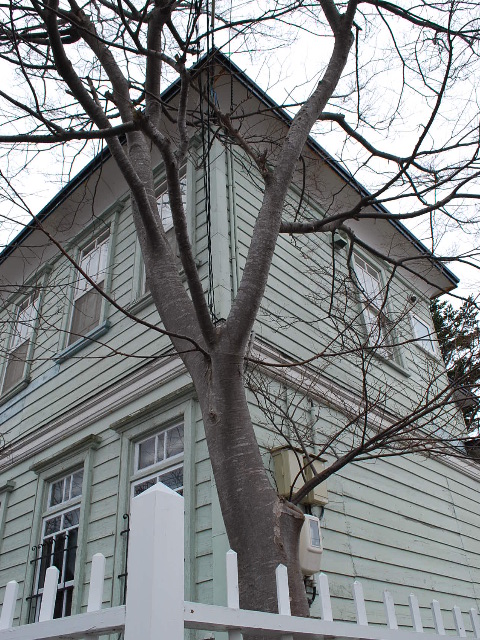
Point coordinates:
[(421, 340), (163, 201), (158, 478), (23, 331), (65, 506), (99, 250), (373, 306), (107, 224), (141, 294), (159, 467)]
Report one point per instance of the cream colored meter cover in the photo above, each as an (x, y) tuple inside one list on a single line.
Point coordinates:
[(310, 546)]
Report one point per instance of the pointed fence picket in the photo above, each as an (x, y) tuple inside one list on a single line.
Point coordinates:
[(155, 597)]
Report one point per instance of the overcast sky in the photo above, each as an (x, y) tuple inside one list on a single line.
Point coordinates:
[(286, 74)]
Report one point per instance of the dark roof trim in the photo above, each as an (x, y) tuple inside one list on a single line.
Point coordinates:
[(249, 84)]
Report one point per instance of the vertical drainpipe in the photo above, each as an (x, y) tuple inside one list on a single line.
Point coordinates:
[(232, 221)]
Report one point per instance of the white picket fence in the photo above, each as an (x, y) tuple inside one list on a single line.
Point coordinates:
[(155, 608)]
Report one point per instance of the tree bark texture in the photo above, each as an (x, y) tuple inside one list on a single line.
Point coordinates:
[(261, 527)]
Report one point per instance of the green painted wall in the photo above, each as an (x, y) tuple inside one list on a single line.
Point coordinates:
[(412, 523)]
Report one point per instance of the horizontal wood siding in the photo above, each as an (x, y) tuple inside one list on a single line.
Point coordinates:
[(412, 523)]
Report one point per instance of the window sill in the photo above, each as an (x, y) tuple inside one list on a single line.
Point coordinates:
[(158, 467), (20, 386), (429, 354), (144, 300), (391, 363), (83, 342), (140, 303)]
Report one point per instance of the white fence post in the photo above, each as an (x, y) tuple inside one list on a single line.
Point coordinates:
[(49, 594), (324, 594), (233, 597), (155, 586), (458, 618), (415, 613), (283, 595), (8, 607), (438, 618), (97, 578), (359, 600), (390, 610), (475, 623)]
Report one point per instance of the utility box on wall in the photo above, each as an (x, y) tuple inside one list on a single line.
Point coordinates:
[(310, 546), (287, 468)]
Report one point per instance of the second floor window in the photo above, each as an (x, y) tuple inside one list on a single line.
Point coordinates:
[(376, 323), (58, 545), (165, 212), (163, 203), (423, 334), (24, 323), (87, 301)]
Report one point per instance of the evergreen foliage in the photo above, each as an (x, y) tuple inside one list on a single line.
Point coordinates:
[(458, 333)]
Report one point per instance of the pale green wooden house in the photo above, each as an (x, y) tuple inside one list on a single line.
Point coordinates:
[(87, 423)]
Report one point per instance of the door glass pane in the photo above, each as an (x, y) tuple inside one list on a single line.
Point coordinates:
[(173, 479), (71, 518), (58, 610), (58, 553), (52, 525), (46, 558), (143, 486), (71, 554), (68, 601)]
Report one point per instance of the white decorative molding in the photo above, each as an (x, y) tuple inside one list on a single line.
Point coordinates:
[(85, 414)]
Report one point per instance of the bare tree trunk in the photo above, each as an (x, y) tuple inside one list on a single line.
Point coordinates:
[(263, 528)]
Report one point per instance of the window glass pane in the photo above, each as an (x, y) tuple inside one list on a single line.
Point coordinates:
[(67, 610), (85, 315), (77, 480), (58, 610), (66, 489), (174, 438), (56, 492), (102, 261), (377, 333), (93, 261), (71, 553), (173, 479), (369, 280), (146, 453), (90, 263), (45, 560), (143, 486), (71, 518), (24, 323), (15, 368), (163, 204), (52, 525), (58, 553), (423, 334)]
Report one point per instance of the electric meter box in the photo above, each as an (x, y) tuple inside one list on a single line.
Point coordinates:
[(287, 474), (310, 546)]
